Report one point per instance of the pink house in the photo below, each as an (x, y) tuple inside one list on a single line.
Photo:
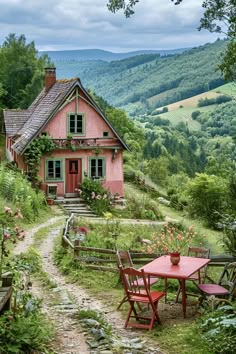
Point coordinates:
[(86, 144)]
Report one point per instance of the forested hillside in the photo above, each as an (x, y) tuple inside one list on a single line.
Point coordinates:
[(129, 83)]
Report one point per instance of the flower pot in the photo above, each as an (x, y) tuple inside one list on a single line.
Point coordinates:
[(175, 258), (50, 201)]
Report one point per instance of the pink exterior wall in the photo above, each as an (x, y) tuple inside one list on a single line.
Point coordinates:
[(94, 123), (94, 128), (12, 156), (114, 169)]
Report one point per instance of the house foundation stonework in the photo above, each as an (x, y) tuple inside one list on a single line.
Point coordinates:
[(85, 142)]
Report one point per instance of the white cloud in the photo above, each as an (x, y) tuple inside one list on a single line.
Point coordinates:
[(77, 24)]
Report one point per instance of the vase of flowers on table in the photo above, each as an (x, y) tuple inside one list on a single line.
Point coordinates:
[(174, 240)]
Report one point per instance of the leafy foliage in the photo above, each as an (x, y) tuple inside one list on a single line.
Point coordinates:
[(39, 147), (207, 197), (21, 72), (15, 188), (218, 100), (219, 329), (25, 330), (93, 193)]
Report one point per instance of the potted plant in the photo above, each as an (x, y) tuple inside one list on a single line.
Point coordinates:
[(50, 199), (173, 240)]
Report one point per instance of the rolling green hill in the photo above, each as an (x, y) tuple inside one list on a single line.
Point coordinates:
[(132, 83), (181, 111)]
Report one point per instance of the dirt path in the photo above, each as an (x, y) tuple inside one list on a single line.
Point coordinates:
[(65, 300)]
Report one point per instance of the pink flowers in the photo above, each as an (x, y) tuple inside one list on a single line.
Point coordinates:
[(8, 210), (18, 214), (81, 229), (79, 191), (173, 239), (8, 232)]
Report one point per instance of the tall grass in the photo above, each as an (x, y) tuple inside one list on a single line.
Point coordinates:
[(16, 189)]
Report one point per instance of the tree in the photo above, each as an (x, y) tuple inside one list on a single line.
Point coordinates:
[(207, 197), (127, 6), (217, 12), (21, 72)]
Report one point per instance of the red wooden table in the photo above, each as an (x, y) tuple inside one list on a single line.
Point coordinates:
[(163, 268)]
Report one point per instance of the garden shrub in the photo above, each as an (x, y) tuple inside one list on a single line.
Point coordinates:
[(93, 193), (219, 329), (25, 330), (16, 189), (143, 208), (228, 225), (207, 194)]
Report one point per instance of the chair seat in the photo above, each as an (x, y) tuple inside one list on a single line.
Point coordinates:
[(150, 281), (155, 295), (213, 289)]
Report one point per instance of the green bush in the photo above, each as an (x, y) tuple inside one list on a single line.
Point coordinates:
[(93, 193), (16, 189), (24, 331), (207, 197), (142, 208), (219, 329)]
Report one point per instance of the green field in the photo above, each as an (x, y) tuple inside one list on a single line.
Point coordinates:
[(184, 115), (227, 89)]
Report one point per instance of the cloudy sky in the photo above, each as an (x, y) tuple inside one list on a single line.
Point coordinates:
[(84, 24)]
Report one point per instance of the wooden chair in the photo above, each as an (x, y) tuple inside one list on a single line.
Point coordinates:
[(137, 295), (124, 260), (226, 286), (200, 276)]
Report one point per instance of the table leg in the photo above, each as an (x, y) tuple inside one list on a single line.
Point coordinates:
[(183, 296)]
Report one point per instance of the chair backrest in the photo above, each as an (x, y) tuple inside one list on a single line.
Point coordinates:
[(129, 278), (200, 252), (228, 279), (124, 259)]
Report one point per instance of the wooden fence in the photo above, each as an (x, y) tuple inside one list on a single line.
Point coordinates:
[(103, 259)]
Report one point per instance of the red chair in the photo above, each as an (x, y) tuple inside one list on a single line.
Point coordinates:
[(226, 286), (200, 276), (124, 260), (137, 296)]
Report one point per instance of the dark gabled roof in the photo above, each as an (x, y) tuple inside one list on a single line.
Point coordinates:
[(41, 111), (28, 123), (14, 120)]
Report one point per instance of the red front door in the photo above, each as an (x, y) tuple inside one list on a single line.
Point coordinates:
[(73, 174)]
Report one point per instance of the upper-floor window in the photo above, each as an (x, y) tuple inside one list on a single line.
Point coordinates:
[(76, 123)]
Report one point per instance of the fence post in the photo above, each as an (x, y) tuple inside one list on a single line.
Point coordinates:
[(76, 248)]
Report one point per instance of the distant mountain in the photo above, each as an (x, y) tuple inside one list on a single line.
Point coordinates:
[(142, 83), (98, 54)]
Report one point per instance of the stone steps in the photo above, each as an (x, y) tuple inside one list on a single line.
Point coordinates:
[(76, 206)]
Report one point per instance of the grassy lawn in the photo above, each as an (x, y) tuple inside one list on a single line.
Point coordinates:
[(213, 237)]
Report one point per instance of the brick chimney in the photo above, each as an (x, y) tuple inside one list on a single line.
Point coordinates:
[(50, 78)]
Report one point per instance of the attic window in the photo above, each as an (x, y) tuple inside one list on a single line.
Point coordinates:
[(105, 134), (76, 123)]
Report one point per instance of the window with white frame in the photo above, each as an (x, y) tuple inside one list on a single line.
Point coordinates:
[(53, 170), (97, 167), (76, 123)]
